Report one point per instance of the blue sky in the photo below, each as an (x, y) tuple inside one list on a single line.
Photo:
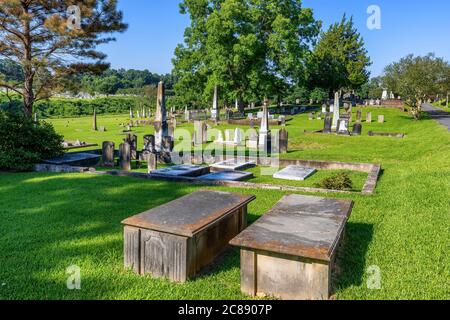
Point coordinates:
[(407, 26)]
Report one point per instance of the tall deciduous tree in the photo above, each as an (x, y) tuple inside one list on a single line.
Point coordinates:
[(417, 79), (52, 40), (340, 60), (249, 48)]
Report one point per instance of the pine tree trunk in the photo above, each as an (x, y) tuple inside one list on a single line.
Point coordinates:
[(446, 103), (28, 93)]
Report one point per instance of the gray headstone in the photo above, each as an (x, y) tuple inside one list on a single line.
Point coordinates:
[(369, 117), (125, 156), (108, 153), (357, 129)]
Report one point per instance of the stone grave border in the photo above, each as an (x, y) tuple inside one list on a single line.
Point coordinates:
[(373, 171)]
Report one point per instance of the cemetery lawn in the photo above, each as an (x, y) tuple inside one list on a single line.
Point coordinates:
[(52, 221)]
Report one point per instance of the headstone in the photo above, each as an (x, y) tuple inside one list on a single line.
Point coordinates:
[(324, 108), (229, 135), (238, 136), (125, 156), (369, 117), (94, 125), (152, 162), (219, 137), (328, 123), (295, 173), (282, 120), (199, 128), (343, 127), (131, 139), (336, 114), (380, 119), (252, 123), (253, 140), (359, 116), (284, 141), (310, 116), (149, 143), (108, 153), (357, 129), (250, 116)]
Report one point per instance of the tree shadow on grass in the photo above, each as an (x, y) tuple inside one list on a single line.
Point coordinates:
[(351, 257)]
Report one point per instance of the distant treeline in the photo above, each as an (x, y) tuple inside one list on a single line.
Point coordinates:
[(62, 107)]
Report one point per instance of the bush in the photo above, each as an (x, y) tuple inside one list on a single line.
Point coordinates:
[(340, 181), (24, 143)]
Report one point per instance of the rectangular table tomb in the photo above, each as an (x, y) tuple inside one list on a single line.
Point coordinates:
[(176, 240)]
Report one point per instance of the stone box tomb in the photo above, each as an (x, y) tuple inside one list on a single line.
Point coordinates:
[(176, 240), (290, 252)]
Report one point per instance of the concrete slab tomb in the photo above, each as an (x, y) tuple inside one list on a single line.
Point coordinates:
[(176, 240), (228, 176), (233, 165), (294, 173), (290, 252), (182, 171), (76, 159)]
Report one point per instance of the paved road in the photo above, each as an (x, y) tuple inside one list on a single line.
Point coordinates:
[(437, 114)]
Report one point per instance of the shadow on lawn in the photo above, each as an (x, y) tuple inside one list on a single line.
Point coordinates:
[(351, 258)]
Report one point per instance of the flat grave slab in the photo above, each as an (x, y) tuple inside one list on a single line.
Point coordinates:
[(227, 176), (75, 159), (290, 251), (182, 171), (294, 173), (178, 239), (235, 164)]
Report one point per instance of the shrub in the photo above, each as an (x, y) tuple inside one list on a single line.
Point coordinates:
[(24, 143), (340, 181)]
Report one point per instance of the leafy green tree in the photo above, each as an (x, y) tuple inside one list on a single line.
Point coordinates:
[(340, 61), (417, 79), (250, 48), (318, 94), (51, 45)]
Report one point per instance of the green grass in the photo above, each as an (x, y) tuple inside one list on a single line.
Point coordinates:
[(52, 221), (358, 178)]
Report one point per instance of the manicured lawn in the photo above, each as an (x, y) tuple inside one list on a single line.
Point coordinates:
[(52, 221)]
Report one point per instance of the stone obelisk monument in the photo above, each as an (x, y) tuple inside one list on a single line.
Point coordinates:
[(336, 111), (264, 132), (215, 109), (161, 126)]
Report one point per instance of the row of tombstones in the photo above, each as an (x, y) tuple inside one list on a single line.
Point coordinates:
[(359, 117), (128, 152)]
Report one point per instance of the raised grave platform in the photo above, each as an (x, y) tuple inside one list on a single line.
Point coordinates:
[(295, 173), (176, 240), (182, 171), (235, 164), (227, 176), (289, 253), (75, 159)]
